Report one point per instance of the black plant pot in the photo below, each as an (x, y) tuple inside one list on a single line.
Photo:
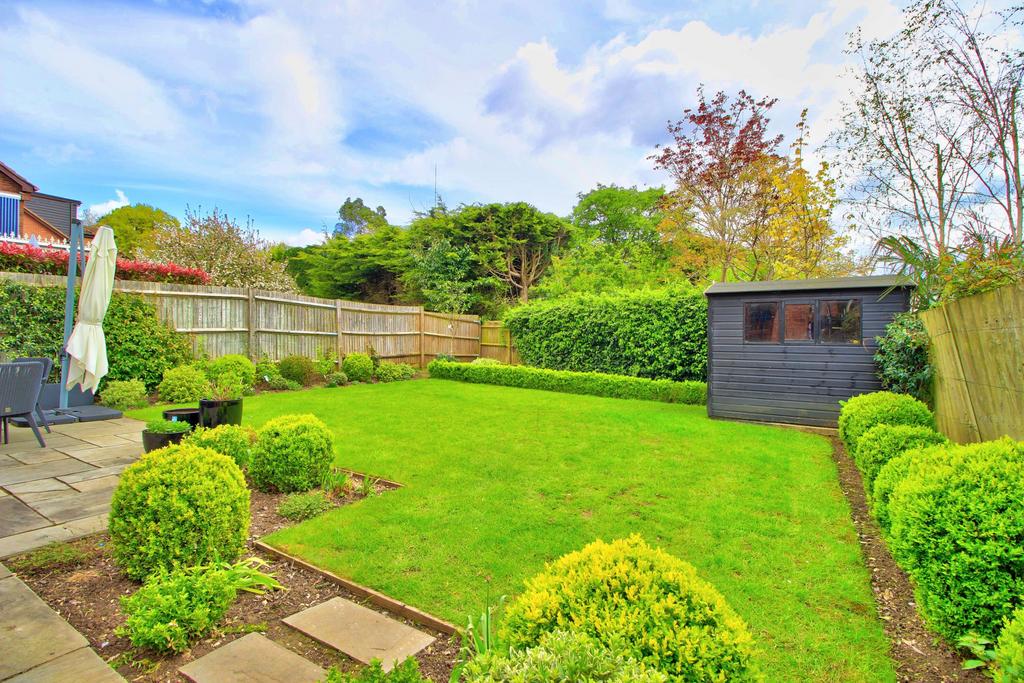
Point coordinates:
[(213, 413), (152, 441), (190, 415)]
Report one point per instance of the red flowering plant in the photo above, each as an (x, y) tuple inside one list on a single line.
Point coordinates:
[(25, 258)]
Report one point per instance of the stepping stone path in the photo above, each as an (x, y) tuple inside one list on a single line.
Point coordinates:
[(357, 631)]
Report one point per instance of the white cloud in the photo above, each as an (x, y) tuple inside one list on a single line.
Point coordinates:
[(304, 238), (103, 208)]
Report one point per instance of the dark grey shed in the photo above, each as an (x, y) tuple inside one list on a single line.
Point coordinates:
[(789, 350)]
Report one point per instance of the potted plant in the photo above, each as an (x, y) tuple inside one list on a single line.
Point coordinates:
[(224, 407), (160, 433)]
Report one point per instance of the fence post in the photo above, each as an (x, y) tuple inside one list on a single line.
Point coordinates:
[(508, 340), (423, 356), (250, 323), (338, 313)]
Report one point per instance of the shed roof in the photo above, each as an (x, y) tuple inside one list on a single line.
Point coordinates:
[(858, 282)]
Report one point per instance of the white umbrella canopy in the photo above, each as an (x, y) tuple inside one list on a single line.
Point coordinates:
[(87, 347)]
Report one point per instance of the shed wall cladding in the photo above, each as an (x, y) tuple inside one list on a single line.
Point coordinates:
[(793, 379)]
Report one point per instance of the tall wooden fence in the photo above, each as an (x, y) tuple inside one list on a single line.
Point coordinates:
[(978, 357), (496, 342), (258, 323)]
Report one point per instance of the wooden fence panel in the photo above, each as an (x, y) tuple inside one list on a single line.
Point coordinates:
[(978, 356), (496, 342), (392, 331), (458, 336)]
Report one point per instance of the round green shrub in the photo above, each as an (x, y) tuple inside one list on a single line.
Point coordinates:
[(863, 412), (1009, 654), (124, 395), (394, 372), (957, 528), (641, 602), (179, 506), (358, 367), (486, 361), (233, 363), (883, 442), (298, 369), (281, 384), (183, 384), (336, 379), (266, 370), (234, 441), (889, 477), (292, 453)]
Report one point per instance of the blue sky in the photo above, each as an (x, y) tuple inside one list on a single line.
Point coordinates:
[(279, 110)]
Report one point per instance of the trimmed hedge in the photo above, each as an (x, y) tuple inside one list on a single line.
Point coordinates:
[(394, 372), (183, 384), (957, 528), (234, 441), (861, 413), (1009, 653), (658, 334), (590, 383), (638, 601), (890, 476), (883, 442), (292, 453)]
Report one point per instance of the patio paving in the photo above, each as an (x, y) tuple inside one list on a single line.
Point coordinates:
[(63, 491)]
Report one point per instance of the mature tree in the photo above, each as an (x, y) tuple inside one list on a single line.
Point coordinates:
[(356, 218), (136, 226), (610, 214), (445, 275), (233, 255), (714, 147), (367, 267)]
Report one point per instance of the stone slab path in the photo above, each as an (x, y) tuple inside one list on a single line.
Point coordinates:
[(63, 491), (252, 659), (38, 646)]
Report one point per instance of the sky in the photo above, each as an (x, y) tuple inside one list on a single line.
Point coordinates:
[(279, 110)]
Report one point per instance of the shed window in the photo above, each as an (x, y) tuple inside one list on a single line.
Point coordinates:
[(799, 322), (761, 322), (839, 321)]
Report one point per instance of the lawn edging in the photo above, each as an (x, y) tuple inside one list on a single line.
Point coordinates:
[(564, 381)]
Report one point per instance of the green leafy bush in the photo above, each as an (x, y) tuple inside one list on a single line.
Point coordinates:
[(641, 602), (394, 372), (406, 672), (235, 364), (591, 383), (298, 369), (281, 384), (234, 441), (266, 370), (861, 413), (336, 379), (325, 365), (162, 426), (173, 609), (300, 506), (1009, 654), (124, 394), (179, 506), (486, 361), (183, 384), (902, 357), (292, 453), (227, 387), (889, 477), (658, 334), (560, 657), (139, 346), (957, 528), (883, 442), (358, 367)]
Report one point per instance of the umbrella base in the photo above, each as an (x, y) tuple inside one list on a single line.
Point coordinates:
[(52, 416), (92, 413)]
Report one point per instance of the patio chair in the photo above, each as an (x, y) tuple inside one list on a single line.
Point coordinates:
[(20, 385), (47, 367)]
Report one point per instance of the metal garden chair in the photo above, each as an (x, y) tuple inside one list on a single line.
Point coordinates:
[(20, 385), (47, 367)]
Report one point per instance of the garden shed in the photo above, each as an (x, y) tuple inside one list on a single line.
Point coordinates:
[(789, 350)]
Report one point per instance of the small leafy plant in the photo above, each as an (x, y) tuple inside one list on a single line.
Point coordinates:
[(167, 427), (183, 384), (368, 485), (336, 482), (336, 379), (124, 395), (300, 506), (298, 369), (406, 672), (228, 387), (358, 367), (280, 383)]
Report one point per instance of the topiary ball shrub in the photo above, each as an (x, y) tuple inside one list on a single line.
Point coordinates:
[(336, 379), (234, 441), (883, 442), (1009, 653), (124, 395), (292, 453), (394, 372), (889, 477), (863, 412), (183, 384), (298, 369), (233, 363), (358, 367), (641, 602), (957, 528), (178, 506)]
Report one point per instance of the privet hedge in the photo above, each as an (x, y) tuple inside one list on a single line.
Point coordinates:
[(658, 334)]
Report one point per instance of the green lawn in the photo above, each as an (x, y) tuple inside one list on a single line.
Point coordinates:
[(500, 480)]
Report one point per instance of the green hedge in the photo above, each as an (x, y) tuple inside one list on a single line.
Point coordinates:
[(883, 442), (658, 334), (139, 346), (864, 411), (591, 383)]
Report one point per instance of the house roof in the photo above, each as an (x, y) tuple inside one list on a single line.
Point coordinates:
[(25, 185), (76, 202), (858, 282)]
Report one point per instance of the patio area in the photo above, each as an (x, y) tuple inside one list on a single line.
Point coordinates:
[(63, 491)]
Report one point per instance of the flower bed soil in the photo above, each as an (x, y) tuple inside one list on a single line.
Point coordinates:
[(86, 589)]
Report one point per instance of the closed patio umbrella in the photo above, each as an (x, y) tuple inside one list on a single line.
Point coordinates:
[(87, 347)]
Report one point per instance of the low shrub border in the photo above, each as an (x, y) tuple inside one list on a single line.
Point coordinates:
[(589, 383), (25, 258)]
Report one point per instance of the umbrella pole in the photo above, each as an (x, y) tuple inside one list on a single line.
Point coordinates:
[(76, 248)]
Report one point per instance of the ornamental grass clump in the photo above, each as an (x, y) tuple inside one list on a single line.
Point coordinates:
[(358, 367), (234, 441), (639, 602), (883, 442), (179, 506), (183, 384), (861, 413), (292, 453)]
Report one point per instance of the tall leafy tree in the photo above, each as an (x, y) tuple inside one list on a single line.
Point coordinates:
[(136, 226), (356, 218), (367, 267)]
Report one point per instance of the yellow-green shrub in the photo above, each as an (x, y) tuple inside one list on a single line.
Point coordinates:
[(1009, 654), (358, 367), (394, 372), (641, 602), (234, 441), (883, 442), (183, 384), (178, 506), (233, 363), (124, 395), (292, 453), (861, 413)]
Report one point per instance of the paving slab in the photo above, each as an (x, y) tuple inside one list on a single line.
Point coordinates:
[(38, 486), (16, 517), (75, 505), (100, 456), (81, 665), (96, 473), (252, 659), (17, 474), (4, 572), (87, 525), (134, 437), (360, 632), (108, 483), (30, 540), (32, 633), (37, 456), (105, 439)]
